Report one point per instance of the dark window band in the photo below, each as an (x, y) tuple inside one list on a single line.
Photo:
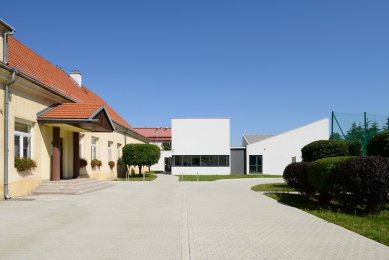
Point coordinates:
[(201, 160)]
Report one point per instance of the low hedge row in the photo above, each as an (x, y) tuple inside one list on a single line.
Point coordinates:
[(330, 148), (356, 182)]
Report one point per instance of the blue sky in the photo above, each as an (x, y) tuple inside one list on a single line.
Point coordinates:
[(268, 65)]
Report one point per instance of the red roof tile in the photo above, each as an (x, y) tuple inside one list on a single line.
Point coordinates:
[(72, 111), (31, 64), (154, 133)]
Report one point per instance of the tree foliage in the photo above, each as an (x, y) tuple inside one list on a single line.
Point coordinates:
[(167, 146), (141, 155)]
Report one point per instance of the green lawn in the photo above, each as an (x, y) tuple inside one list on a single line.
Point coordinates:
[(375, 227), (148, 177), (272, 187), (223, 177)]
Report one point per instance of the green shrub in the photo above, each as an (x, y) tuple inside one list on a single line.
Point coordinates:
[(24, 164), (83, 163), (324, 149), (111, 164), (379, 144), (296, 176), (121, 168), (355, 148), (322, 175), (96, 163), (364, 182)]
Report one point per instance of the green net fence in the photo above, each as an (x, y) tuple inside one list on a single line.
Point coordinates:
[(359, 127)]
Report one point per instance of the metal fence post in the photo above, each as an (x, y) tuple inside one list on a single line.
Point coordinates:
[(364, 152)]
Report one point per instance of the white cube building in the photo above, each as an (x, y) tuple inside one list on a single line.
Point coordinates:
[(201, 146)]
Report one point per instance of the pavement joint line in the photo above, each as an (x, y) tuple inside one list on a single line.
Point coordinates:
[(185, 253)]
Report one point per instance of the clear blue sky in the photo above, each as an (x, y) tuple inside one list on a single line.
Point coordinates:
[(268, 65)]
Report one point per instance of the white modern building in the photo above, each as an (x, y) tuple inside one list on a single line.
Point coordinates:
[(271, 154), (201, 146)]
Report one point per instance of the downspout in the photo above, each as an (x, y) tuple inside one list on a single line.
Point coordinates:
[(6, 132), (6, 114)]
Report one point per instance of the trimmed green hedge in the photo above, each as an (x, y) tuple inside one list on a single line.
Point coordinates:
[(296, 176), (364, 182), (322, 175), (324, 149), (379, 144)]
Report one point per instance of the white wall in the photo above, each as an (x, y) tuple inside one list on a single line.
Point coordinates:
[(278, 151), (199, 136), (160, 166), (201, 170)]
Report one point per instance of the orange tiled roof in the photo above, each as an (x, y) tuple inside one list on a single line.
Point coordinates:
[(34, 66), (72, 111), (154, 133)]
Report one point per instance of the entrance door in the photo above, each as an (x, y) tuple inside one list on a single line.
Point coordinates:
[(168, 164)]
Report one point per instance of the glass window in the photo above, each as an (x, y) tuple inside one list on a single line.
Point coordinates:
[(195, 160), (204, 160), (201, 160), (223, 160), (255, 163), (22, 140), (94, 148), (213, 160), (80, 149), (119, 150), (110, 151), (187, 160), (17, 145), (178, 160)]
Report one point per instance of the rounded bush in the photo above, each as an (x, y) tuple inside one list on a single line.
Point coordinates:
[(364, 182), (322, 175), (379, 144), (324, 149), (295, 175)]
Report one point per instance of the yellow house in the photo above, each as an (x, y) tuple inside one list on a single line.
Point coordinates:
[(48, 116)]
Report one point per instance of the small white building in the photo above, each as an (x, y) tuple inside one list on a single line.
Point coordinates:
[(271, 154), (201, 146), (161, 137)]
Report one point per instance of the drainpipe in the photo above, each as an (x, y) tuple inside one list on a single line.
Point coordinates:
[(6, 111), (6, 132), (5, 45)]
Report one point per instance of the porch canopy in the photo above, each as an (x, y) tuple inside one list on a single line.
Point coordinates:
[(77, 116), (90, 117)]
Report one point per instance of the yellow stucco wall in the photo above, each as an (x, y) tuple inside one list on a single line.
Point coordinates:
[(24, 106)]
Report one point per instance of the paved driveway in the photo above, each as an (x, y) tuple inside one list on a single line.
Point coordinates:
[(166, 219)]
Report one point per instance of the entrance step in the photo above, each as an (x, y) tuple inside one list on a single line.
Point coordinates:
[(71, 187)]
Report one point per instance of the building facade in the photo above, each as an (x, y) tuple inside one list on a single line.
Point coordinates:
[(271, 154), (48, 116), (201, 146)]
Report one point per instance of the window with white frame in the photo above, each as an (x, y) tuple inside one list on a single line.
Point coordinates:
[(94, 148), (22, 139), (110, 151), (119, 150), (81, 149)]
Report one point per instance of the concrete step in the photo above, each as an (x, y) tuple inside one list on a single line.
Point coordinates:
[(71, 186)]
